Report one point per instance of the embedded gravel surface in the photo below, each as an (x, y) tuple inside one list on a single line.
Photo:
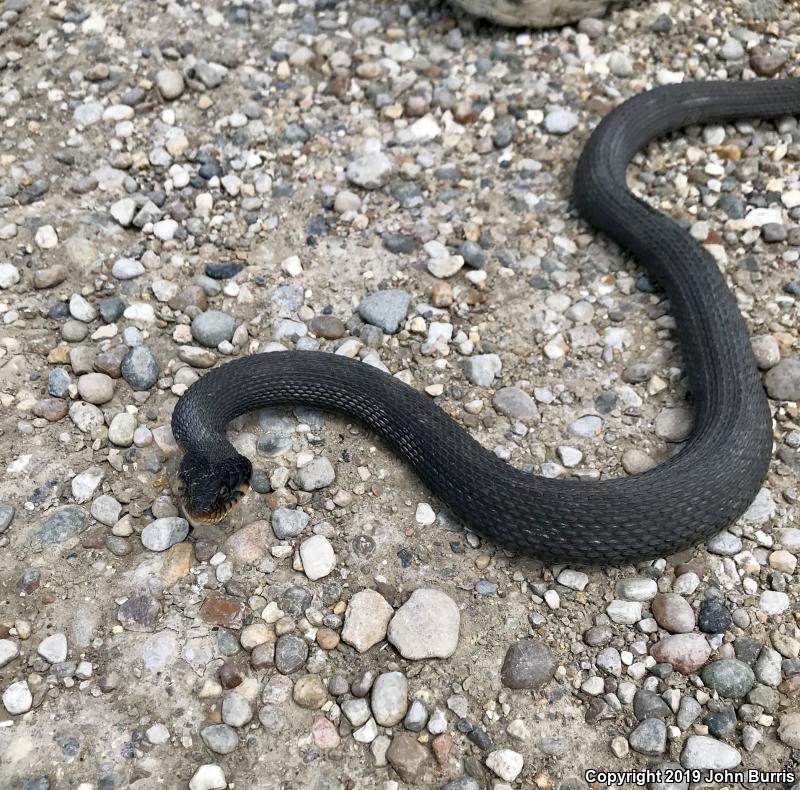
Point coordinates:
[(181, 184)]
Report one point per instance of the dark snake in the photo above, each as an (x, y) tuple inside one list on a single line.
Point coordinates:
[(703, 488)]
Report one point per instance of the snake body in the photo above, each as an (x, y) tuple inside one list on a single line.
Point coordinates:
[(703, 488)]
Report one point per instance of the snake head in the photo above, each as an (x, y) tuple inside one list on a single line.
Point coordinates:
[(210, 489)]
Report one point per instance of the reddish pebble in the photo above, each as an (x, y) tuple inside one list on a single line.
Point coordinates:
[(222, 610), (324, 733), (441, 746)]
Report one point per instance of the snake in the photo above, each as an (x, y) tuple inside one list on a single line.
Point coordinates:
[(697, 492)]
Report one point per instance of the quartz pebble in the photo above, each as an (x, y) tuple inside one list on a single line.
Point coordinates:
[(426, 626)]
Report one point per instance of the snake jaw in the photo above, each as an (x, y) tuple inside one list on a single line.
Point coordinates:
[(217, 515)]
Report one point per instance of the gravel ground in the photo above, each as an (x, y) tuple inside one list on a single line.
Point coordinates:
[(183, 183)]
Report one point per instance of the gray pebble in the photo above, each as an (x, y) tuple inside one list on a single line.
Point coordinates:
[(220, 738), (730, 678), (516, 403), (389, 699), (528, 664), (288, 522), (6, 516), (140, 368), (385, 309), (650, 737), (291, 653), (481, 370), (317, 473), (783, 381), (560, 121), (58, 381), (212, 327), (61, 524), (162, 533)]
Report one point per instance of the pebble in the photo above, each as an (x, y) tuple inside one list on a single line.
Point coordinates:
[(370, 171), (637, 588), (426, 626), (515, 403), (389, 698), (713, 617), (53, 648), (170, 85), (9, 275), (291, 653), (288, 523), (236, 710), (674, 425), (317, 473), (220, 738), (505, 763), (730, 678), (309, 692), (482, 369), (649, 737), (85, 484), (407, 757), (789, 729), (703, 752), (673, 613), (127, 269), (528, 664), (161, 534), (8, 651), (317, 556), (140, 368), (61, 524), (121, 429), (17, 698), (560, 121), (773, 602), (213, 327), (96, 388), (725, 544), (208, 776), (686, 652), (385, 309), (6, 516), (782, 381), (624, 612), (587, 426), (366, 621)]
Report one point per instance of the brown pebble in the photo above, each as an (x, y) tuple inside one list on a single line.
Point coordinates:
[(139, 613), (204, 550), (464, 112), (442, 294), (283, 497), (223, 610), (193, 295), (339, 83), (230, 675), (263, 656), (327, 638), (310, 692), (416, 106), (52, 409), (767, 63), (110, 362), (49, 277), (441, 745), (730, 152), (84, 185), (599, 106), (30, 580), (328, 326), (97, 73), (94, 538), (59, 356)]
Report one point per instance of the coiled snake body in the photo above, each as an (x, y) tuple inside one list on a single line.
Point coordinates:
[(693, 495)]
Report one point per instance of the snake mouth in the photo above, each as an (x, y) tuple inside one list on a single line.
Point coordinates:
[(220, 512)]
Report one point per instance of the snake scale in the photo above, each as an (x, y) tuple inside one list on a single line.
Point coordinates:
[(703, 488)]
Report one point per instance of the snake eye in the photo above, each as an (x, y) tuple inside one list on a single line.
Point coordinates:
[(224, 491)]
